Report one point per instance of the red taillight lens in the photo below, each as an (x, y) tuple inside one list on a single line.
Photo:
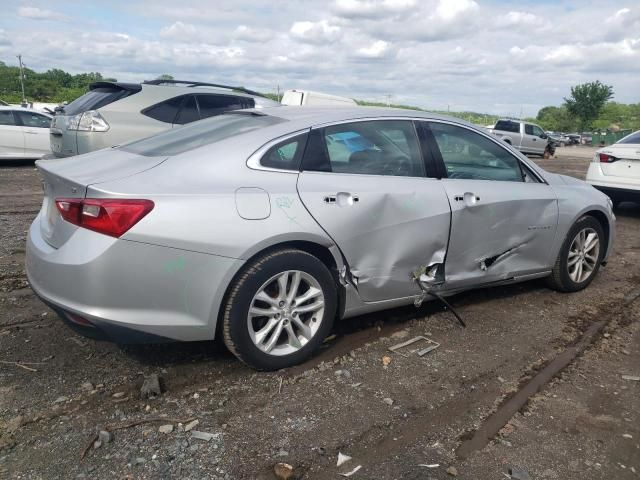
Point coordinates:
[(604, 158), (108, 216)]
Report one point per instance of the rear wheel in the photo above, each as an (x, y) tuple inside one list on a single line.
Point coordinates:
[(580, 256), (279, 310)]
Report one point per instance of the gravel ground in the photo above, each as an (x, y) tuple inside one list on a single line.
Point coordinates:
[(389, 412)]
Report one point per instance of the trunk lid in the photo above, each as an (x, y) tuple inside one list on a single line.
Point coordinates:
[(70, 177), (628, 163)]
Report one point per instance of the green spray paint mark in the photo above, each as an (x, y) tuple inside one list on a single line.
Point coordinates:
[(176, 265)]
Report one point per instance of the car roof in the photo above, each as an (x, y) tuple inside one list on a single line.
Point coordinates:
[(181, 89), (330, 114), (23, 109)]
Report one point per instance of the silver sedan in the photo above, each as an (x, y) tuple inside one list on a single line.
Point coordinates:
[(266, 226)]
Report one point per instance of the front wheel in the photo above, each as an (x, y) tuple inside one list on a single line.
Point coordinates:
[(580, 256), (279, 310)]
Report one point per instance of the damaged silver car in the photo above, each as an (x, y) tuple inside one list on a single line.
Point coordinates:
[(266, 226)]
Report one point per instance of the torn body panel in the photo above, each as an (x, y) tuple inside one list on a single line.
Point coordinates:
[(509, 230), (397, 224)]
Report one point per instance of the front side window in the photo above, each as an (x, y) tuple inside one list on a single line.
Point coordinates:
[(6, 117), (537, 131), (378, 147), (528, 129), (286, 154), (469, 155), (29, 119)]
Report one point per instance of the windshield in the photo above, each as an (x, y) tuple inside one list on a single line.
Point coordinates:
[(197, 134), (96, 98)]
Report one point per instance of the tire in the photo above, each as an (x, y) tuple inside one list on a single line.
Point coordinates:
[(565, 278), (249, 334)]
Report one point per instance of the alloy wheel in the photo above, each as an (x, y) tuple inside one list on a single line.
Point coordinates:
[(286, 312), (583, 255)]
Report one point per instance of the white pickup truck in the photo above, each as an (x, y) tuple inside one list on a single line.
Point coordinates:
[(527, 137)]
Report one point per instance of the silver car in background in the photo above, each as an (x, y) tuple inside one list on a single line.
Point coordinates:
[(113, 113), (265, 226)]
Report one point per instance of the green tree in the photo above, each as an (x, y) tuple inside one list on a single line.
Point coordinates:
[(165, 76), (557, 119), (587, 100)]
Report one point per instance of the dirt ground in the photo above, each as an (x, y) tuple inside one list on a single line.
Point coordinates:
[(401, 417)]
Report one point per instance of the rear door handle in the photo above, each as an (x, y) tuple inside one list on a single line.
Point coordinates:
[(468, 198), (342, 199)]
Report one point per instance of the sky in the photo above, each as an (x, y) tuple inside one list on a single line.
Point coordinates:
[(503, 58)]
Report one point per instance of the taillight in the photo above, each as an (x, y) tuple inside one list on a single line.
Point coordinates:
[(89, 121), (604, 158), (108, 216)]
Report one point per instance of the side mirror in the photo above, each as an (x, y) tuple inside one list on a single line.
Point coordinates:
[(544, 136)]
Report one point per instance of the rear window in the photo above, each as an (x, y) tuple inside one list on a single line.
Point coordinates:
[(204, 132), (507, 126), (95, 99), (633, 138)]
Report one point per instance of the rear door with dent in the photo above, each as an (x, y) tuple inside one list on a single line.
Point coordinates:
[(365, 184), (504, 217)]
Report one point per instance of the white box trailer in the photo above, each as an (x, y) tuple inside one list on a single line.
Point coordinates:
[(307, 97)]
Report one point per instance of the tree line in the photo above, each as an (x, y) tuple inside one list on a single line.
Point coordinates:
[(587, 108)]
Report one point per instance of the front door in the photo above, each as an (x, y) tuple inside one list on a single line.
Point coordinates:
[(364, 183), (504, 217), (36, 133), (11, 136)]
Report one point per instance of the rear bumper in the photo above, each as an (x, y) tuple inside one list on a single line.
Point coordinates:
[(127, 291), (618, 194)]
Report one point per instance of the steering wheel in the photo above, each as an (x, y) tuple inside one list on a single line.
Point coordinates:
[(398, 166)]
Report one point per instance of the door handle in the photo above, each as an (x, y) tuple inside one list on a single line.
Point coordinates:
[(342, 199), (468, 198)]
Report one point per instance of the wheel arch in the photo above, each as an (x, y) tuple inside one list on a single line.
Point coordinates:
[(330, 256), (603, 220)]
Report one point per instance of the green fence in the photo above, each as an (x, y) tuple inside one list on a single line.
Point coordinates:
[(608, 138)]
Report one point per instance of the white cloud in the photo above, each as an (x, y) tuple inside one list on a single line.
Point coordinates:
[(315, 32), (450, 9), (180, 31), (471, 55), (36, 13), (4, 38), (377, 49), (371, 8)]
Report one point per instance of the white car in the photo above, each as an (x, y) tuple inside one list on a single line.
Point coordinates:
[(24, 133), (615, 170)]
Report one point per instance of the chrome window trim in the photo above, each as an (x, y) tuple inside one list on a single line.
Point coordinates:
[(253, 162)]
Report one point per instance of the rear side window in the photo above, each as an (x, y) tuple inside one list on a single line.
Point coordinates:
[(188, 112), (6, 117), (96, 98), (285, 155), (211, 105), (198, 134), (633, 138), (164, 111), (507, 126), (29, 119), (381, 147)]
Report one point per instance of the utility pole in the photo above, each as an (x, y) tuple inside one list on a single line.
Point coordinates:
[(24, 99), (388, 95), (278, 92)]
